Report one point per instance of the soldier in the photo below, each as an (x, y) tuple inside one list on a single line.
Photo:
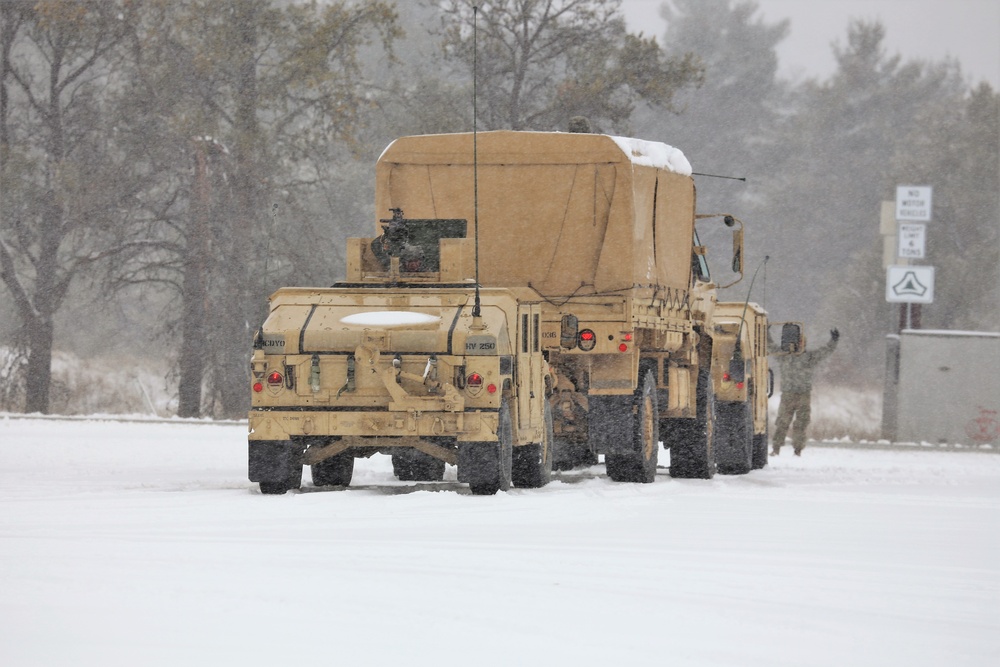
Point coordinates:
[(796, 389)]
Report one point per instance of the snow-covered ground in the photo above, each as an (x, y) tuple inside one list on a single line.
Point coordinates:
[(144, 544)]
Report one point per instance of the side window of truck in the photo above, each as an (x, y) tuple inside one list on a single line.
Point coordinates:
[(699, 265)]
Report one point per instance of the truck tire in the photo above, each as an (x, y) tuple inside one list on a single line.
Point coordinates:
[(691, 440), (733, 437), (411, 465), (276, 465), (531, 465), (334, 471), (487, 465), (638, 464)]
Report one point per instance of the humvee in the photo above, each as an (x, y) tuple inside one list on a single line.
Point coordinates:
[(532, 298)]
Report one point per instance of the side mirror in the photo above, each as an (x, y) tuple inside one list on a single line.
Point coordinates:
[(792, 340), (738, 250), (791, 337)]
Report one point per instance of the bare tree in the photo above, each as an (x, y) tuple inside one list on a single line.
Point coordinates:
[(62, 180), (261, 86), (541, 62)]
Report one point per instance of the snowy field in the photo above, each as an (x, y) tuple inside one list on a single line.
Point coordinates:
[(144, 544)]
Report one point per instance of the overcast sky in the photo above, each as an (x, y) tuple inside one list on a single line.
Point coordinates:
[(968, 30)]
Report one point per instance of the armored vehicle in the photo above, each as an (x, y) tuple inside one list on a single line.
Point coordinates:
[(533, 298), (742, 383)]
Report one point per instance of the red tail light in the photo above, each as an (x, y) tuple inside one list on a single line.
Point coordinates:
[(588, 339), (474, 384), (258, 387), (275, 379)]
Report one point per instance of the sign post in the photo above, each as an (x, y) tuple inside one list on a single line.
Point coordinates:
[(905, 284), (913, 208)]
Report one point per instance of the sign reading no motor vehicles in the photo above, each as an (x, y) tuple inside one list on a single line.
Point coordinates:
[(913, 202), (909, 284)]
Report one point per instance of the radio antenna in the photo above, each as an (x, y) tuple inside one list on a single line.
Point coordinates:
[(731, 178), (746, 303), (477, 306)]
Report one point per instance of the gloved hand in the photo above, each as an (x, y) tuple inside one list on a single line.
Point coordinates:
[(834, 334)]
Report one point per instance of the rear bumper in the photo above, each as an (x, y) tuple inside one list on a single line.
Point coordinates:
[(473, 425)]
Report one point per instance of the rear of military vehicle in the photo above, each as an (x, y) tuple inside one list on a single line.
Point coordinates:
[(742, 385), (347, 372), (600, 230)]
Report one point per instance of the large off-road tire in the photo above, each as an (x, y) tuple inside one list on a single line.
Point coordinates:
[(275, 464), (411, 465), (733, 437), (531, 465), (334, 471), (691, 440), (638, 462), (487, 465)]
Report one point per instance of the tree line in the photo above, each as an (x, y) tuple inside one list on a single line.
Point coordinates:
[(166, 164)]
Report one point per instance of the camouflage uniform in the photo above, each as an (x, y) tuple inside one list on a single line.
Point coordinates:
[(796, 389)]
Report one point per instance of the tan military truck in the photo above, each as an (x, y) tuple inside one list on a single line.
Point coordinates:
[(592, 333), (743, 382)]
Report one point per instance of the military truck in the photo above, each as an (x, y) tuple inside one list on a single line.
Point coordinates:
[(742, 382), (534, 297)]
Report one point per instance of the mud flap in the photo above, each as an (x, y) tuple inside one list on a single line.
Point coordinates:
[(271, 460), (611, 424)]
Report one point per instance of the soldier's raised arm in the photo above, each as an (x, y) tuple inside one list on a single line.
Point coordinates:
[(825, 351)]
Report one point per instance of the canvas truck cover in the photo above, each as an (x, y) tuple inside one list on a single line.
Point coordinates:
[(563, 213)]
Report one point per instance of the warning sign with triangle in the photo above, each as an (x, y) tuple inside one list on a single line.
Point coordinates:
[(909, 284)]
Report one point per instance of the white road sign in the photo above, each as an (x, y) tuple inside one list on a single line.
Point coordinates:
[(913, 202), (909, 284), (912, 240)]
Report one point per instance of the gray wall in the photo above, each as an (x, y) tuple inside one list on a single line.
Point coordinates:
[(946, 379)]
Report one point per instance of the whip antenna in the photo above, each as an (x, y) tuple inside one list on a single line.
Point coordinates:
[(476, 308), (731, 178), (762, 265), (737, 364)]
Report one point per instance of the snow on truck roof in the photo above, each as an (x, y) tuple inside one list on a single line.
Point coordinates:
[(654, 154), (638, 151), (389, 318)]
